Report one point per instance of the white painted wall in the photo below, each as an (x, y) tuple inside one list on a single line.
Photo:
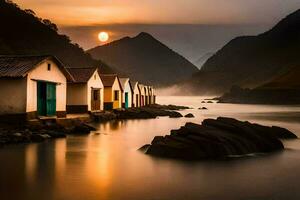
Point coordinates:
[(136, 91), (127, 89), (54, 75), (142, 94), (95, 82), (13, 96)]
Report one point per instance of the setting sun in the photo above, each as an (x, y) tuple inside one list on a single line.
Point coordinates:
[(103, 36)]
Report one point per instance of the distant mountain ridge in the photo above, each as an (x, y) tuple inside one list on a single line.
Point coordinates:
[(250, 61), (146, 59), (200, 61), (23, 33)]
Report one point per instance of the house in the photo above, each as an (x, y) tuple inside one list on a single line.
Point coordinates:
[(153, 98), (112, 91), (142, 97), (150, 94), (32, 86), (127, 93), (146, 88), (85, 93), (136, 94)]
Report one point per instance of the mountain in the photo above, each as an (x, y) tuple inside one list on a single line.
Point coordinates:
[(284, 89), (23, 33), (146, 59), (199, 62), (250, 61)]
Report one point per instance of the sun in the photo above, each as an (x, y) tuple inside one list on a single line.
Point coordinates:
[(103, 36)]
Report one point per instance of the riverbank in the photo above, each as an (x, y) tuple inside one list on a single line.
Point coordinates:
[(52, 128)]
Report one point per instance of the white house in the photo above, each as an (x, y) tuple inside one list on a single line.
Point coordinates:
[(136, 94), (86, 92), (32, 86), (146, 88), (142, 98), (127, 92)]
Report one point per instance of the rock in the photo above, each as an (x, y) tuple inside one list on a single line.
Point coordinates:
[(167, 107), (219, 138), (209, 102), (175, 114), (203, 102), (144, 148), (39, 137), (56, 134), (80, 129), (202, 108), (190, 115)]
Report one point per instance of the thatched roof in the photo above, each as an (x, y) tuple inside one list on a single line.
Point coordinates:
[(82, 75)]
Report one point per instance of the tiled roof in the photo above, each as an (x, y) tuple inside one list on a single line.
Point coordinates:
[(81, 75), (108, 79), (20, 66)]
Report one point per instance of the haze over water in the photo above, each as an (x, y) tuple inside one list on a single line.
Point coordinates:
[(107, 165)]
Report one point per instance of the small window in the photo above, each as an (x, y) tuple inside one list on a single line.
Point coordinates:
[(49, 67), (116, 95), (95, 77)]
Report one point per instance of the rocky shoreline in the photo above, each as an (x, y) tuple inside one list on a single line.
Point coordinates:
[(147, 112), (51, 129), (219, 138)]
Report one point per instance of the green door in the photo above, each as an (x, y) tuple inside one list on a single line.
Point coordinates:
[(126, 99), (51, 99), (46, 98), (41, 99)]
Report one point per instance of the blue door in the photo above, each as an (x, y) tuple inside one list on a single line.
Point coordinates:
[(126, 99)]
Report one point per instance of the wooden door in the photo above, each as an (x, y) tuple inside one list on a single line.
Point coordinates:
[(95, 104)]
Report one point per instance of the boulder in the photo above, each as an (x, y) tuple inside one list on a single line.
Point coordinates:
[(219, 138), (202, 108), (190, 115)]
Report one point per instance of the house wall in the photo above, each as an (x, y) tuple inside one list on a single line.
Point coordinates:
[(95, 82), (77, 98), (127, 89), (136, 91), (13, 93), (142, 97), (116, 86), (54, 75)]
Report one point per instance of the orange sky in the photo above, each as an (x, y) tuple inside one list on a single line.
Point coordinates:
[(89, 12)]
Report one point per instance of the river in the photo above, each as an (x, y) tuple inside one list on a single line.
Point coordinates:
[(106, 165)]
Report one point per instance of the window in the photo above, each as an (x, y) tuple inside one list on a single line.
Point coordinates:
[(95, 77), (49, 67), (116, 95)]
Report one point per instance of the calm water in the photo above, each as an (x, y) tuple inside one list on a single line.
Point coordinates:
[(107, 165)]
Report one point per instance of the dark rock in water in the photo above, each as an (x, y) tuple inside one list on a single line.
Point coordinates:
[(147, 112), (209, 102), (167, 107), (39, 137), (81, 128), (203, 102), (190, 115), (56, 134), (104, 116), (144, 148), (175, 114), (203, 108), (218, 139)]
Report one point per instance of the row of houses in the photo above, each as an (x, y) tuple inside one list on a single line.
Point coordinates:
[(34, 86)]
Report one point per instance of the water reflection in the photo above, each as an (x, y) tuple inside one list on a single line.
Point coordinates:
[(107, 165)]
